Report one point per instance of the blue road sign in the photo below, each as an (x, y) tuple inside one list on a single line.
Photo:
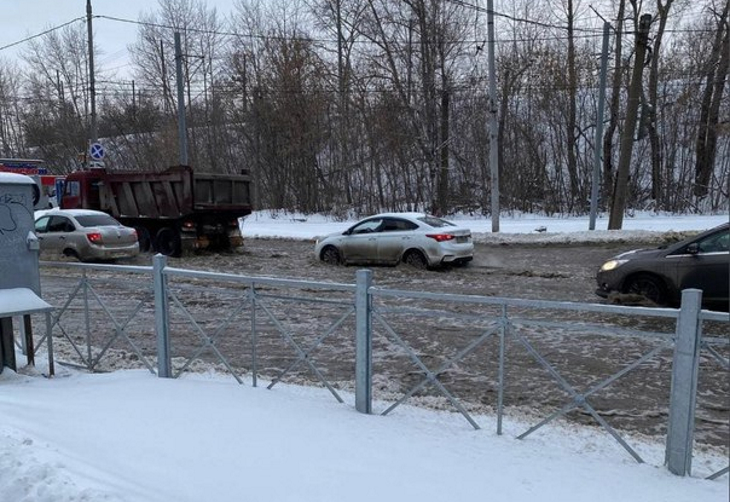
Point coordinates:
[(96, 151)]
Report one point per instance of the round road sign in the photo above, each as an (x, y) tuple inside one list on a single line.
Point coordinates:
[(96, 151)]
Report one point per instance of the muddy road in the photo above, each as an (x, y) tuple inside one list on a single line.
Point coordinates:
[(535, 272), (285, 328)]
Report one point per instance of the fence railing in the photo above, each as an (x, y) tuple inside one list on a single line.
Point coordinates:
[(173, 319)]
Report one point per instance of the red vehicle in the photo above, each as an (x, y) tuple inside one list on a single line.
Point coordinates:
[(174, 211), (36, 169)]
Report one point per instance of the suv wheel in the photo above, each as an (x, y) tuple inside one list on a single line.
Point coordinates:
[(648, 286)]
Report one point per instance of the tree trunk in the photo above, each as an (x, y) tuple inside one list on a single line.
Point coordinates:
[(656, 151), (614, 107), (443, 183), (627, 136), (572, 120), (714, 88)]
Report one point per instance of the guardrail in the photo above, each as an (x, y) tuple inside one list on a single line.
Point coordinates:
[(168, 323)]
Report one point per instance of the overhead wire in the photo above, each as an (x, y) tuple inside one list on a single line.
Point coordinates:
[(585, 33), (46, 32)]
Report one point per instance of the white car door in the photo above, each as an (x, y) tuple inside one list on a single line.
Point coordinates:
[(361, 245), (394, 239)]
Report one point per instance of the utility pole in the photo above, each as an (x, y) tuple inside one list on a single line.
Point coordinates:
[(493, 125), (134, 101), (93, 135), (618, 207), (181, 124), (599, 128), (165, 91)]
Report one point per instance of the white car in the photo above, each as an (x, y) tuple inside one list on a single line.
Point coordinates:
[(418, 239), (84, 234)]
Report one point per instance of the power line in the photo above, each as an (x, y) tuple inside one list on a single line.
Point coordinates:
[(593, 34), (596, 31), (589, 33), (204, 31), (50, 30), (522, 19)]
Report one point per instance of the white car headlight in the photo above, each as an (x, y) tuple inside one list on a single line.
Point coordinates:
[(612, 264)]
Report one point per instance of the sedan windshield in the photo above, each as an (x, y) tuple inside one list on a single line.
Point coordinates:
[(97, 220)]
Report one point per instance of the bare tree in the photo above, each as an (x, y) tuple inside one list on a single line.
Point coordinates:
[(11, 137), (154, 57), (715, 76), (615, 103), (56, 116), (627, 136)]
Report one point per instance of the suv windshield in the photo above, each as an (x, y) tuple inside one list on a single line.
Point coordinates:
[(97, 220)]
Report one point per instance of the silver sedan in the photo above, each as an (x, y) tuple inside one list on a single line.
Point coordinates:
[(418, 239), (84, 234)]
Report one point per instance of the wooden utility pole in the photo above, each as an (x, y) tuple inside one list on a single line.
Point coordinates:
[(618, 207)]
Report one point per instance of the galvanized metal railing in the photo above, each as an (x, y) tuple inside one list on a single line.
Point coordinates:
[(260, 304), (167, 306), (685, 343), (89, 295)]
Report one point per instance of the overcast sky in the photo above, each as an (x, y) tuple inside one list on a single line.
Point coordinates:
[(20, 19)]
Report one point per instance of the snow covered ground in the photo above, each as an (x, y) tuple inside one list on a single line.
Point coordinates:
[(525, 228), (129, 436)]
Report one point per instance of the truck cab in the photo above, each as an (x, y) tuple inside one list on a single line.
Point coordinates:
[(81, 190)]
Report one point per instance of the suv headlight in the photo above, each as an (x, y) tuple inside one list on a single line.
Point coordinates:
[(612, 264)]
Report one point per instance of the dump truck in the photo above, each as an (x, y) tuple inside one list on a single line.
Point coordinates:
[(174, 211)]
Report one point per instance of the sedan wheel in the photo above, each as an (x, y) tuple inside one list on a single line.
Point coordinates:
[(649, 287), (71, 253), (415, 259), (331, 256)]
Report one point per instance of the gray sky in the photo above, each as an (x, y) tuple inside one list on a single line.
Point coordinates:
[(22, 18)]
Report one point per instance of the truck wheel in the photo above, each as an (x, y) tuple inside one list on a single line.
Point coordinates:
[(143, 237), (168, 242)]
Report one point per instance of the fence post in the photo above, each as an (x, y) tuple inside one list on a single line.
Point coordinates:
[(159, 262), (683, 395), (363, 343)]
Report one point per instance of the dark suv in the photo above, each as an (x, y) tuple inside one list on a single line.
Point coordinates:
[(661, 274)]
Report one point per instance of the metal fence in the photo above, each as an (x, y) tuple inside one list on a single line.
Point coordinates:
[(390, 346)]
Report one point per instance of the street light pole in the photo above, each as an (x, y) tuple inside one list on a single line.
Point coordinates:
[(493, 126), (93, 135), (599, 128)]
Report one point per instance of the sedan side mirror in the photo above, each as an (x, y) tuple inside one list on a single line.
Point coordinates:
[(693, 248)]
